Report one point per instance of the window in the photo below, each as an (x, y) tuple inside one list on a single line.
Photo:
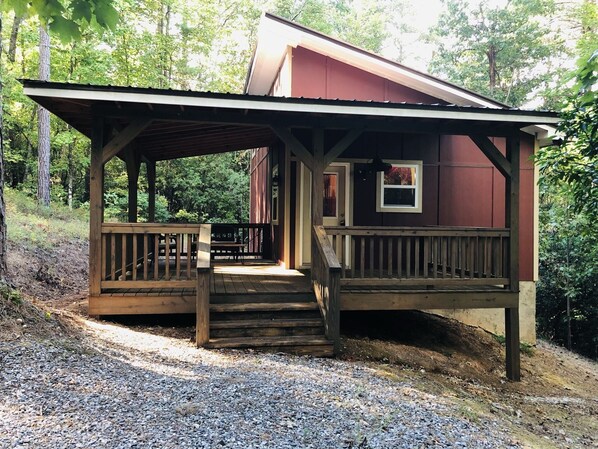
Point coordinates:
[(399, 189)]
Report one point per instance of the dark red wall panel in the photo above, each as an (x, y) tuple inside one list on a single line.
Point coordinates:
[(318, 76)]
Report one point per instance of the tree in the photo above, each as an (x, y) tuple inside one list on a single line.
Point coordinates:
[(505, 52), (67, 21), (43, 124)]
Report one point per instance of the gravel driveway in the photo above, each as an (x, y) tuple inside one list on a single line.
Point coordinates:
[(137, 390)]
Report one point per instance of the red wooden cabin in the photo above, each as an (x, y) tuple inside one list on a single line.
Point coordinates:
[(396, 190)]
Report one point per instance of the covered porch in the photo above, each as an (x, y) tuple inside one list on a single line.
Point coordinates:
[(139, 268)]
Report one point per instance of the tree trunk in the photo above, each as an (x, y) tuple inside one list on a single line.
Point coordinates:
[(492, 68), (14, 33), (2, 205), (43, 124)]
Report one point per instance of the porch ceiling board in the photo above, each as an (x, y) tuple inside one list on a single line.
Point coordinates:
[(195, 123)]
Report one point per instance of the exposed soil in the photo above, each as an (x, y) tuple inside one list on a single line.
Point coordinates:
[(554, 405), (49, 273)]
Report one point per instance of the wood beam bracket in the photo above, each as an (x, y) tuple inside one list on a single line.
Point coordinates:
[(294, 145), (342, 145), (493, 154), (123, 138)]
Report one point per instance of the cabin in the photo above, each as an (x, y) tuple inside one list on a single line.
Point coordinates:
[(373, 187)]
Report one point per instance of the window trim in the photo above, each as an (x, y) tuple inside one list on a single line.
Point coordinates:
[(417, 209)]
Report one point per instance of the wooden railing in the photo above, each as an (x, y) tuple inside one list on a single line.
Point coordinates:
[(255, 237), (202, 305), (325, 275), (424, 256), (149, 255)]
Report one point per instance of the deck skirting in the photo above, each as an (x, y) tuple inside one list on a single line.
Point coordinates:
[(427, 300)]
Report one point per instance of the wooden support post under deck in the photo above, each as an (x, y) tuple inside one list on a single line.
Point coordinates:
[(96, 206), (512, 219), (151, 190), (202, 306)]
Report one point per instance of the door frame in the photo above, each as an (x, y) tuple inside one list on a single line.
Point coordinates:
[(303, 178)]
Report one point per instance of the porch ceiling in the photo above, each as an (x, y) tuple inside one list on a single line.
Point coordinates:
[(186, 123)]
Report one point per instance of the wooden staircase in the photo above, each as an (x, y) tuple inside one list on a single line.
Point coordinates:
[(273, 322)]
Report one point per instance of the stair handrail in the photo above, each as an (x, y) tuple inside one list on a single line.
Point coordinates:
[(202, 307), (325, 275)]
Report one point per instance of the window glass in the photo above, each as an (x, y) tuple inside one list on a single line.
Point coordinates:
[(399, 188), (330, 194)]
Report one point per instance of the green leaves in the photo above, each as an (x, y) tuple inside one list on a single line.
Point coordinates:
[(67, 20)]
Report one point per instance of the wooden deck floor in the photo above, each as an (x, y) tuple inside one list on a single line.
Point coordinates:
[(236, 279)]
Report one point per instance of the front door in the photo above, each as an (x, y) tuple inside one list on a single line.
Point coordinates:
[(334, 204)]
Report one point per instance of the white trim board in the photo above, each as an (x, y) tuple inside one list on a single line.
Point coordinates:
[(318, 107)]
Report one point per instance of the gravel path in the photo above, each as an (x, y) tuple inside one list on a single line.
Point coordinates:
[(136, 390)]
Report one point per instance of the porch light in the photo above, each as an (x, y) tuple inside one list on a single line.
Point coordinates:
[(378, 165)]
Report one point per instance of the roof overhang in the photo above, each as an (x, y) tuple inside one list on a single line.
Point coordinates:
[(276, 34), (211, 122)]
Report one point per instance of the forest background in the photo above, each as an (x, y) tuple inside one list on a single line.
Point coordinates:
[(526, 53)]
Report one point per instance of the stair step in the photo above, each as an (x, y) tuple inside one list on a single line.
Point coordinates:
[(264, 307), (244, 342), (246, 324), (262, 297)]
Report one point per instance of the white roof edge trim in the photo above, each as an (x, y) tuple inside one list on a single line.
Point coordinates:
[(265, 105), (367, 62)]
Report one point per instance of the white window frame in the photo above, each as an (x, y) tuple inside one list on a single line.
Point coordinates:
[(417, 209)]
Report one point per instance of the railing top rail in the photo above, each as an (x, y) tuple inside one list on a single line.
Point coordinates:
[(441, 231), (150, 228), (325, 248), (204, 247)]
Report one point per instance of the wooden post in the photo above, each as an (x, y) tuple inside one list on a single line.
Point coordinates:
[(512, 344), (202, 306), (317, 179), (96, 206), (151, 190), (512, 219), (133, 163)]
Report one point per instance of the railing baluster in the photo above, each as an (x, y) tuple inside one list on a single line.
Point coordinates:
[(104, 255), (343, 255), (380, 257), (177, 272), (371, 246), (408, 257), (400, 257), (453, 250), (112, 257), (134, 258), (434, 257), (362, 257), (390, 242), (426, 269), (443, 250), (156, 238), (123, 269), (145, 257), (416, 257), (353, 256)]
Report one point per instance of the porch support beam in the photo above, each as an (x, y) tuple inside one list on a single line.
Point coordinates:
[(342, 145), (317, 179), (96, 206), (295, 145), (512, 218), (124, 137), (493, 154), (151, 190), (133, 163)]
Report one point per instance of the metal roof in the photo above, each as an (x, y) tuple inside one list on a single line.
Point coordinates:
[(187, 123)]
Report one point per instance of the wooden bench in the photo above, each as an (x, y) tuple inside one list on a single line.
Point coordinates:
[(225, 242)]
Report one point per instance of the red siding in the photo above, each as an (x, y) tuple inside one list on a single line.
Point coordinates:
[(318, 76), (461, 186), (259, 200)]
